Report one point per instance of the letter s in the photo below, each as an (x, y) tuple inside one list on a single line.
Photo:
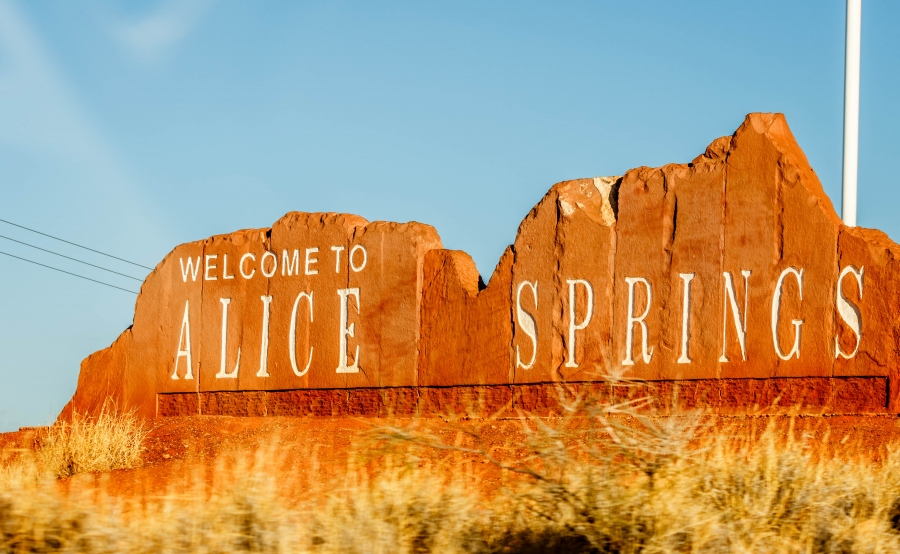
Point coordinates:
[(527, 323), (848, 311)]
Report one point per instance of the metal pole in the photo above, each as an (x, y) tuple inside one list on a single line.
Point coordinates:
[(851, 111)]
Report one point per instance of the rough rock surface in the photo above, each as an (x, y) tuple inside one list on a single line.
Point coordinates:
[(730, 278), (339, 279)]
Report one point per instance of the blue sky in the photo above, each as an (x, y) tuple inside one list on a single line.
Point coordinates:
[(133, 127)]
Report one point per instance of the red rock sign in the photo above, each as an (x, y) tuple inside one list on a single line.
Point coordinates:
[(731, 274)]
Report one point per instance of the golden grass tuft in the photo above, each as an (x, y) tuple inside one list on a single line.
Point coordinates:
[(109, 441)]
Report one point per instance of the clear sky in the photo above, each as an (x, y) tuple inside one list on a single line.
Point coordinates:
[(133, 127)]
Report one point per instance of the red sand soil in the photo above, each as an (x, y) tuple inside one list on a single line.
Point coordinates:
[(316, 452)]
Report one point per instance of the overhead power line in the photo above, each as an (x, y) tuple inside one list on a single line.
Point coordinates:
[(70, 258), (66, 272), (75, 244)]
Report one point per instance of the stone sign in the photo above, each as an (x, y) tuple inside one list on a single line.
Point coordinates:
[(730, 277)]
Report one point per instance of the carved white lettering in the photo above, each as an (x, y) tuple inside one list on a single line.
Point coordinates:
[(776, 309), (245, 257), (337, 258), (192, 268), (527, 323), (310, 261), (210, 257), (849, 311), (262, 264), (264, 342), (347, 331), (291, 266), (292, 339), (587, 316), (740, 323), (185, 338), (354, 250), (685, 318), (225, 274), (646, 354), (222, 373)]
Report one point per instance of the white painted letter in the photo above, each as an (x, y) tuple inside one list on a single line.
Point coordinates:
[(185, 338), (685, 318), (264, 343), (222, 373), (337, 258), (646, 353), (225, 274), (262, 264), (848, 311), (310, 261), (739, 325), (587, 317), (347, 331), (290, 266), (292, 339), (527, 323), (776, 305), (354, 250), (192, 268), (241, 266), (208, 267)]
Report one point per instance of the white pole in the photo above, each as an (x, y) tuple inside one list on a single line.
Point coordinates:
[(851, 111)]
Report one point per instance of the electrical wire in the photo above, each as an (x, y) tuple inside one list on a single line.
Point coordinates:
[(66, 272), (74, 244), (70, 258)]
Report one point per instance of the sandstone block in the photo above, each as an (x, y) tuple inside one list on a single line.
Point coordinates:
[(561, 283), (867, 294), (730, 281), (466, 328)]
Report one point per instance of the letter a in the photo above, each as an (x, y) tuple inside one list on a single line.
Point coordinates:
[(184, 338)]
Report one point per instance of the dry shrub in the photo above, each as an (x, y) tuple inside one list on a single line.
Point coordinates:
[(606, 477), (616, 477), (400, 511), (109, 441)]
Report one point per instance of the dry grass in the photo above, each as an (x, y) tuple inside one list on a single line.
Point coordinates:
[(84, 445), (110, 441), (604, 478)]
